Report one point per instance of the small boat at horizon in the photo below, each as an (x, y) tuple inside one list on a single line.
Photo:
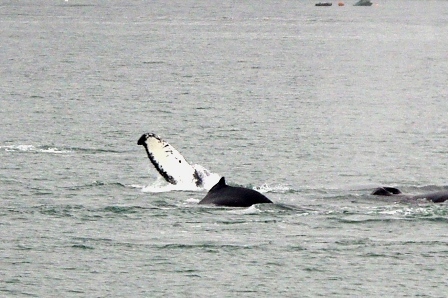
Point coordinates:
[(324, 4)]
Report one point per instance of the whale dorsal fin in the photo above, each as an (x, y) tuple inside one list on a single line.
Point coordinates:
[(221, 183)]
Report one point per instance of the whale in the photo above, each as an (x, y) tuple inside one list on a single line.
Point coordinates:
[(175, 169), (436, 197), (222, 194)]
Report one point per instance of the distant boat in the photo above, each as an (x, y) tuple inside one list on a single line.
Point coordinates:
[(363, 3), (324, 4)]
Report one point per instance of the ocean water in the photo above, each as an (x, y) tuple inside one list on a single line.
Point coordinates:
[(313, 106)]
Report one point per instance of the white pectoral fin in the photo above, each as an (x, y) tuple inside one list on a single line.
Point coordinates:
[(167, 160)]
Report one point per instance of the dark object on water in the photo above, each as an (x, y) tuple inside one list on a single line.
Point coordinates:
[(324, 4), (224, 195), (363, 3), (436, 197)]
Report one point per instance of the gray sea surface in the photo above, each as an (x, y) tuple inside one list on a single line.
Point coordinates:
[(313, 106)]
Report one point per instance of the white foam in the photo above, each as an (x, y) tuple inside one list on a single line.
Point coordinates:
[(249, 210), (269, 188), (18, 148), (160, 185), (32, 148), (136, 186), (193, 201)]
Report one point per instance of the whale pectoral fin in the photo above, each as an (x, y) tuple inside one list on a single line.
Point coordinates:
[(170, 164), (386, 191)]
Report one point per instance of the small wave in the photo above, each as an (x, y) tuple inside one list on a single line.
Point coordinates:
[(32, 148), (249, 210), (427, 188), (139, 186), (89, 213), (363, 218), (160, 185), (53, 149), (205, 246), (122, 209), (395, 212), (275, 188), (75, 5), (428, 211), (192, 201), (82, 246), (59, 210), (95, 184), (93, 150)]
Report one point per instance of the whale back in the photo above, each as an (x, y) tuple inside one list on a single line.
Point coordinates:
[(222, 194), (436, 197), (386, 191)]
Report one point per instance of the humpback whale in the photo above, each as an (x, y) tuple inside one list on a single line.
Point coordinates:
[(224, 195), (436, 197), (173, 167)]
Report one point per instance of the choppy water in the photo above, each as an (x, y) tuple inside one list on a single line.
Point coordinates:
[(313, 106)]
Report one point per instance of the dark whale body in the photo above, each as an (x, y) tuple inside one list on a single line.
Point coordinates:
[(436, 197), (224, 195)]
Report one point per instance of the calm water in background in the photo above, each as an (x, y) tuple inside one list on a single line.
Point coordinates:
[(315, 106)]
